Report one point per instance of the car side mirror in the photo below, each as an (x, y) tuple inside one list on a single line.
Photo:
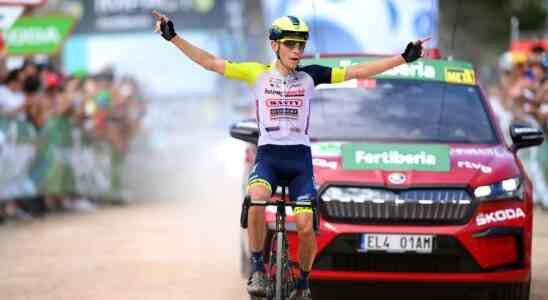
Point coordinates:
[(525, 135), (246, 130)]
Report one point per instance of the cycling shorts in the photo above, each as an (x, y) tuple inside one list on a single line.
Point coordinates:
[(289, 165)]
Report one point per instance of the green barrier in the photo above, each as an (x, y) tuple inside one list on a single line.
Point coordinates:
[(60, 160)]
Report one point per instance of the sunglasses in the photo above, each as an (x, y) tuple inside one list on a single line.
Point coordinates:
[(294, 44)]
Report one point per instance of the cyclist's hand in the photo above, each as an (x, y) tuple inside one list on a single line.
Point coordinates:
[(414, 50), (165, 26)]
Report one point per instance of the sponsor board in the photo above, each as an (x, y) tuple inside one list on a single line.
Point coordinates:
[(38, 34), (423, 69), (434, 158), (105, 16)]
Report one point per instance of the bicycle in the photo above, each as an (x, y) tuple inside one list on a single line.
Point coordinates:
[(281, 279)]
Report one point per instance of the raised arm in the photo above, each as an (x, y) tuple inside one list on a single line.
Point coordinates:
[(205, 59), (412, 52)]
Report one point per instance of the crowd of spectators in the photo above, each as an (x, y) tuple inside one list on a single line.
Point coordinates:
[(521, 95), (106, 107), (523, 86)]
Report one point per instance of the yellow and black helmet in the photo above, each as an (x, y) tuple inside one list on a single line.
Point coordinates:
[(289, 28)]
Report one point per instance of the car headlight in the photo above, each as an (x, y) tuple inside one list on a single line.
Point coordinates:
[(508, 188)]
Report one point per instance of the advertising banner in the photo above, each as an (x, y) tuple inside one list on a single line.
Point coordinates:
[(434, 158), (104, 16), (424, 69), (38, 34)]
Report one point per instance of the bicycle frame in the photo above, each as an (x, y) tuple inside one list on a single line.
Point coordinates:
[(279, 285)]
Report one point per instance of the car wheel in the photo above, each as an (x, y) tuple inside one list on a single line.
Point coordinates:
[(518, 291)]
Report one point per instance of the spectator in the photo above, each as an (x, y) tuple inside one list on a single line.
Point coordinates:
[(12, 99)]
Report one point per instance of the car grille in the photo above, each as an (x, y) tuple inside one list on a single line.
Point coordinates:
[(366, 205), (447, 256)]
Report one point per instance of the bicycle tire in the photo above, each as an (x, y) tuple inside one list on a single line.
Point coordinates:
[(279, 293)]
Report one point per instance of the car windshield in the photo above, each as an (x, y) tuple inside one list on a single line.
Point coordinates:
[(401, 110)]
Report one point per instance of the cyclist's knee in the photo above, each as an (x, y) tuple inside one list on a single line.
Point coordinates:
[(259, 191), (304, 222)]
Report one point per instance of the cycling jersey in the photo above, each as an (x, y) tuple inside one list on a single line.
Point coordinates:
[(283, 102)]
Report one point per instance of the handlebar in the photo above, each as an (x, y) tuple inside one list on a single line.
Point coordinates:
[(303, 204), (247, 203)]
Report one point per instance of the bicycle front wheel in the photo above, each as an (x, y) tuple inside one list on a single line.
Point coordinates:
[(280, 241)]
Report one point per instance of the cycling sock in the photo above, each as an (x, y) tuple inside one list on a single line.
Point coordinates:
[(257, 262), (302, 283)]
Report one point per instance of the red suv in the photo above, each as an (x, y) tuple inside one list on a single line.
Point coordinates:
[(415, 181)]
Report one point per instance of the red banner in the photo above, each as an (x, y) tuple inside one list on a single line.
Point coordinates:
[(526, 45)]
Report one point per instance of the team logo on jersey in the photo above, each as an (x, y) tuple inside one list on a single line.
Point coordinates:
[(273, 92), (284, 114), (284, 103), (296, 92)]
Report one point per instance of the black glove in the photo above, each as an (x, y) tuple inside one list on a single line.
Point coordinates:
[(168, 30), (412, 52)]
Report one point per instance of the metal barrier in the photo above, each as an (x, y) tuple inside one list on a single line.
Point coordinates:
[(60, 159)]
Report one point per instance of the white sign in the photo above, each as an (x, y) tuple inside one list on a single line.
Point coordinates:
[(8, 15), (22, 2)]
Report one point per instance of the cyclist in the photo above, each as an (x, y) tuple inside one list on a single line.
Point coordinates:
[(282, 91)]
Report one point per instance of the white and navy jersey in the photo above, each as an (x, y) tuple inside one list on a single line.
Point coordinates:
[(283, 102)]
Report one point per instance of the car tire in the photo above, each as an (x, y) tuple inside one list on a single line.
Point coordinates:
[(518, 291)]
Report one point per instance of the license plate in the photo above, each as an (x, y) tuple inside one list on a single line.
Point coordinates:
[(396, 243)]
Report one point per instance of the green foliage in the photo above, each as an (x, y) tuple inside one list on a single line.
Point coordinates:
[(532, 16)]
